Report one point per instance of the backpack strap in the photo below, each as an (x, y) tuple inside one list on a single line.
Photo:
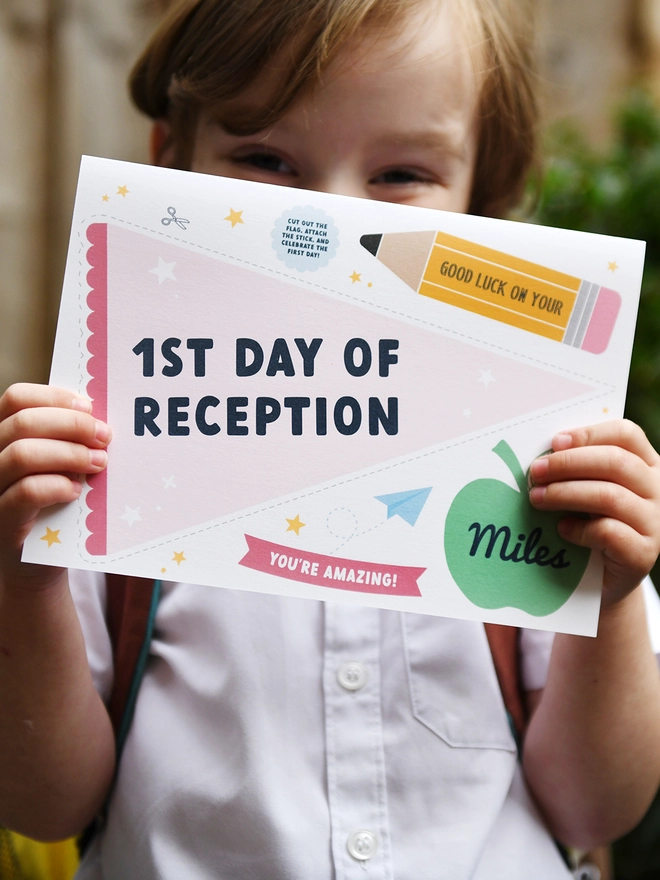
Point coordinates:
[(504, 644), (131, 606), (504, 648)]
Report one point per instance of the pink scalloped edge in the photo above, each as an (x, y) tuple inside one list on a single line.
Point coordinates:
[(97, 387)]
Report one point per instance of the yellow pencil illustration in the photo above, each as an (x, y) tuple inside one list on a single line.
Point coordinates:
[(500, 286)]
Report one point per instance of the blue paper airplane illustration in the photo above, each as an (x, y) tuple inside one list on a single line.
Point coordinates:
[(407, 505)]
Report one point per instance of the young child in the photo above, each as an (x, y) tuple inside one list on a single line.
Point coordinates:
[(286, 738)]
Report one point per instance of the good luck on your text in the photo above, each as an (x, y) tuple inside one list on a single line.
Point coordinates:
[(315, 415)]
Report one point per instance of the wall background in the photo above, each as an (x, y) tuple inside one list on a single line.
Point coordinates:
[(63, 67)]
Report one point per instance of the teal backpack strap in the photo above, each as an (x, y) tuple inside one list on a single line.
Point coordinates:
[(131, 605)]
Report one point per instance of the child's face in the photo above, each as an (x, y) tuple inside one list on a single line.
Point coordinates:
[(394, 120)]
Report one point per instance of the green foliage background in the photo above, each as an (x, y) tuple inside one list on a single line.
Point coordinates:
[(618, 193)]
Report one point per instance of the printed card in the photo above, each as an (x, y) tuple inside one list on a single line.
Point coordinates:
[(333, 398)]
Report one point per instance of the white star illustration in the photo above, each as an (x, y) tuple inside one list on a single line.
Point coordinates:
[(467, 413), (168, 483), (486, 377), (164, 271), (132, 515)]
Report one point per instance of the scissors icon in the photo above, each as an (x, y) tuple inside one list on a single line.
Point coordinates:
[(180, 221)]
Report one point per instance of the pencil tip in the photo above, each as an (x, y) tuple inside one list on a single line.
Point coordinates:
[(371, 242)]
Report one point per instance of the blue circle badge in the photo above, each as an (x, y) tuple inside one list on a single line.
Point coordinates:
[(305, 238)]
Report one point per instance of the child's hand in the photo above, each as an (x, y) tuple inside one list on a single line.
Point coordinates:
[(611, 472), (48, 439), (55, 775)]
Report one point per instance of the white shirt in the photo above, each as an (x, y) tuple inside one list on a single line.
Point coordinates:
[(286, 739)]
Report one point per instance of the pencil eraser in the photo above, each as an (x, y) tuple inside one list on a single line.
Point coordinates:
[(602, 322)]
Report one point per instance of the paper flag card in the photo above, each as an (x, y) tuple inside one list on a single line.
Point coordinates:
[(333, 398)]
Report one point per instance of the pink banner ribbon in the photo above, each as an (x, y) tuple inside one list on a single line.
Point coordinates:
[(330, 571)]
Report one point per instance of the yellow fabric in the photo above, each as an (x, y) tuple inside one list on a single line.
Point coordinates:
[(46, 861)]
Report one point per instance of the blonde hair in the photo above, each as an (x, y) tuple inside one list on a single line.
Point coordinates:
[(205, 53)]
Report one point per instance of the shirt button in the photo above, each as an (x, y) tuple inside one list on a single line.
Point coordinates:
[(352, 676), (362, 845)]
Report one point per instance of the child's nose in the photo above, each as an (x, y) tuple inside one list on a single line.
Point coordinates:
[(340, 184)]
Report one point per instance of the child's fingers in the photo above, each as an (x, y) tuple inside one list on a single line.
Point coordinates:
[(39, 456), (599, 498), (54, 423), (621, 543), (621, 433), (606, 463), (21, 503), (25, 396)]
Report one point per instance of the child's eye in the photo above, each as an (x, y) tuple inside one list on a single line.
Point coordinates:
[(400, 176), (264, 161)]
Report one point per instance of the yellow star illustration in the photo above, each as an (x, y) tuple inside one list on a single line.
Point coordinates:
[(295, 525), (605, 410), (356, 276), (235, 217), (105, 198), (612, 267), (123, 191), (52, 537), (178, 558)]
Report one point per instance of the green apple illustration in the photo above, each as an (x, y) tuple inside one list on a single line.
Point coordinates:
[(502, 552)]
